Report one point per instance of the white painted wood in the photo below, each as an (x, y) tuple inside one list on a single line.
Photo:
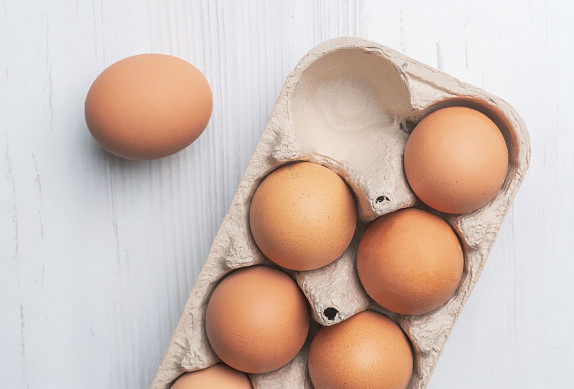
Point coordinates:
[(98, 254)]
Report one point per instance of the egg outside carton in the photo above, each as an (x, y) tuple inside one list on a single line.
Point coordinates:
[(349, 105)]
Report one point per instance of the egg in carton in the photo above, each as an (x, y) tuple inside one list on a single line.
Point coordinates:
[(350, 105)]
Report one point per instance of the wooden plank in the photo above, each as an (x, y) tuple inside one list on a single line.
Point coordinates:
[(98, 254)]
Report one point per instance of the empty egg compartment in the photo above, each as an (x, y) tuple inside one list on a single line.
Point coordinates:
[(349, 105)]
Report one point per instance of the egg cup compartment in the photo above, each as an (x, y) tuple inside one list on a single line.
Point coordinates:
[(350, 105)]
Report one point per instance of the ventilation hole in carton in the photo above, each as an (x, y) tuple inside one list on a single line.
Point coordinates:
[(330, 313), (382, 199)]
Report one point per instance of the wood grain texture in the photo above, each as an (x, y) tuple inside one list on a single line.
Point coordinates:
[(98, 254)]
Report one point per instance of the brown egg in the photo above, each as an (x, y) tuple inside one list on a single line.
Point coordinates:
[(217, 376), (366, 351), (456, 160), (148, 106), (257, 319), (303, 216), (410, 261)]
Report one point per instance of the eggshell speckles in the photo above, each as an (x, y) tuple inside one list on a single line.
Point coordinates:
[(303, 216), (410, 261), (366, 351), (148, 106), (456, 160), (257, 319), (217, 376)]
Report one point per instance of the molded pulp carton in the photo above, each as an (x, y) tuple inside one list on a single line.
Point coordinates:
[(350, 105)]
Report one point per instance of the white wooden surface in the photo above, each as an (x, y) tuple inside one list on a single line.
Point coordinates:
[(98, 254)]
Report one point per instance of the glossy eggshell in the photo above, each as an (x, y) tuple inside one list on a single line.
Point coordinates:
[(217, 376), (410, 261), (366, 351), (257, 319), (302, 216), (456, 160), (148, 106)]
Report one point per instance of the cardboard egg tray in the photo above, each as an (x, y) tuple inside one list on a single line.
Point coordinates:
[(350, 105)]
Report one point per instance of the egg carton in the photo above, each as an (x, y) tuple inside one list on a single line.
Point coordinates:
[(350, 105)]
